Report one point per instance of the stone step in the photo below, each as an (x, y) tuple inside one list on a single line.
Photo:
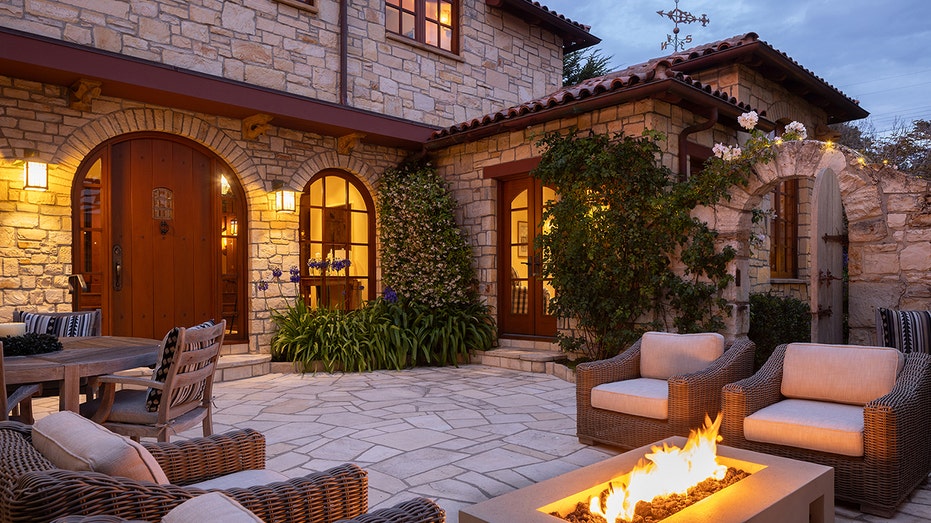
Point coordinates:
[(527, 360), (238, 366)]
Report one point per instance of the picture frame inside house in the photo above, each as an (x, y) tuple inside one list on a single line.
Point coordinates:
[(522, 239)]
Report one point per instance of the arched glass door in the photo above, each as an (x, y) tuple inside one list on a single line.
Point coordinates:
[(337, 238), (158, 222)]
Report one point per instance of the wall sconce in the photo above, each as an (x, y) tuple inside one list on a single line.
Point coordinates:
[(35, 172), (234, 228), (284, 197)]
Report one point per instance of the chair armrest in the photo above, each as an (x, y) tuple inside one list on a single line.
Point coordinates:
[(129, 380), (744, 397), (320, 497), (895, 426), (417, 510), (624, 366), (693, 395), (199, 459)]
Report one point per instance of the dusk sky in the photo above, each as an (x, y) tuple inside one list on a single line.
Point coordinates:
[(876, 52)]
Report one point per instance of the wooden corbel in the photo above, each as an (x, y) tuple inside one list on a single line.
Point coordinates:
[(346, 143), (255, 125), (81, 94)]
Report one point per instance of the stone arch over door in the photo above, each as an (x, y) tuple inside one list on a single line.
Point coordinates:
[(868, 195)]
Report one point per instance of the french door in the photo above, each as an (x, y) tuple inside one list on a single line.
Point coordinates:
[(523, 293)]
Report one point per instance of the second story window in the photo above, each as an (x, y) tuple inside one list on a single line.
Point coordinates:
[(427, 21)]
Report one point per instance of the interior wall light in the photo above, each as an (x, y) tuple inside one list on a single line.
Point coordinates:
[(35, 172), (284, 197)]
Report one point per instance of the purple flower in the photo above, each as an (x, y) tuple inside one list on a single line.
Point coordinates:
[(295, 275), (276, 272), (390, 295), (340, 264), (263, 285), (316, 264)]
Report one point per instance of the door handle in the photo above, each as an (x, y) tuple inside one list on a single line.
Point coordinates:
[(117, 268)]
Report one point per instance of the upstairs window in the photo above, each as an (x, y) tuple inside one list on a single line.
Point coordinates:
[(430, 22)]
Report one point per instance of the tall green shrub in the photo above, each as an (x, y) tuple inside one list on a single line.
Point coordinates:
[(424, 256), (776, 319), (611, 237)]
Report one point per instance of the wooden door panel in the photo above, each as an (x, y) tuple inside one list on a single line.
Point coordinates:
[(169, 260)]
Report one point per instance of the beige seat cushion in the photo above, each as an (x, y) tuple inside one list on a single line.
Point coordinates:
[(665, 354), (814, 425), (210, 507), (241, 479), (72, 442), (645, 397), (849, 374)]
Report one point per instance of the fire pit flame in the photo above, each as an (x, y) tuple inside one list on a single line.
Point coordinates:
[(666, 470)]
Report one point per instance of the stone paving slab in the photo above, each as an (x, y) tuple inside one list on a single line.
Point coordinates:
[(456, 435)]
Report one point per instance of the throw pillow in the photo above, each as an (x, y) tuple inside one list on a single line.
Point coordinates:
[(666, 354), (908, 331), (169, 352), (77, 324), (72, 442)]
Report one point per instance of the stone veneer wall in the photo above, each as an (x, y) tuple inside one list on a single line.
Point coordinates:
[(503, 61), (36, 229), (889, 213)]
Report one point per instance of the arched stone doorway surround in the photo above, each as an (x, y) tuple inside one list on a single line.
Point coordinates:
[(889, 231)]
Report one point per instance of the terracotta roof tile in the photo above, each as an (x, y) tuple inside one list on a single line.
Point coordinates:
[(657, 69)]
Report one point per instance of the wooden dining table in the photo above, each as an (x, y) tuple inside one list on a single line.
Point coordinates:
[(81, 357)]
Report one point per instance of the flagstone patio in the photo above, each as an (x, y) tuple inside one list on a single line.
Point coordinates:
[(456, 435)]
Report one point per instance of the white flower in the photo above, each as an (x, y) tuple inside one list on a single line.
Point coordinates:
[(719, 149), (798, 129), (748, 120), (732, 153)]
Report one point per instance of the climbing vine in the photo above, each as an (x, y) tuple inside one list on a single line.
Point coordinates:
[(620, 245)]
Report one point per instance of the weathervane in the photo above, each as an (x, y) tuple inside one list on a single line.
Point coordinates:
[(680, 17)]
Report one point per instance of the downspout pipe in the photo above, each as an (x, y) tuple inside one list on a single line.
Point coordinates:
[(683, 140), (343, 51)]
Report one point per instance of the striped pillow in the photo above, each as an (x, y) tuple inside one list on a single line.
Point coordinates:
[(908, 331), (169, 352), (68, 325)]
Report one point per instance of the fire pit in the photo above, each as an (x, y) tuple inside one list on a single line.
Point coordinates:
[(777, 490)]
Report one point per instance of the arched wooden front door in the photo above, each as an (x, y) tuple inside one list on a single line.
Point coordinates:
[(158, 222)]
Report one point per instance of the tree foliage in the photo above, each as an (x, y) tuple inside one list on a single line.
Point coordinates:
[(907, 148), (580, 65), (609, 242)]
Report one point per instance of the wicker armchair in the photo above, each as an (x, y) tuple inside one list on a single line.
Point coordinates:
[(690, 397), (896, 437), (32, 489)]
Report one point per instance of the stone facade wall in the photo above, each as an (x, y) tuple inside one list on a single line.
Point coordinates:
[(754, 89), (503, 61), (36, 228)]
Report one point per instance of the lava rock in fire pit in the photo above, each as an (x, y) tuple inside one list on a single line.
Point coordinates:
[(660, 507)]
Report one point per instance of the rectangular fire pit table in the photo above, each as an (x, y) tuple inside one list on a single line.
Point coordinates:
[(777, 490)]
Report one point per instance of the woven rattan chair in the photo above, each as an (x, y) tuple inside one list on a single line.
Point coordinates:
[(690, 397), (896, 434), (185, 392), (32, 489)]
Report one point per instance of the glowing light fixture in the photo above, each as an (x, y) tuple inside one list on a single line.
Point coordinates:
[(35, 172), (234, 228), (284, 197), (224, 185)]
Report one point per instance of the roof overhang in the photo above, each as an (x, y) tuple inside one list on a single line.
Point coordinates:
[(575, 36), (671, 90), (35, 58), (778, 67)]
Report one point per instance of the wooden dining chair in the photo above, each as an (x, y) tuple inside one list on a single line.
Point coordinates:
[(20, 400), (177, 396)]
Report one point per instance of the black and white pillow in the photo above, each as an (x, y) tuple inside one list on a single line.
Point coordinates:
[(77, 324), (169, 352), (908, 331)]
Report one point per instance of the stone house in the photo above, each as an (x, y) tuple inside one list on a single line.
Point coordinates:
[(177, 136)]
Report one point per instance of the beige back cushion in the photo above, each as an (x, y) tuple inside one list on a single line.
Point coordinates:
[(850, 374), (73, 442), (664, 354), (213, 506)]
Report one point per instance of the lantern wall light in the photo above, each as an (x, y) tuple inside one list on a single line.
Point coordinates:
[(284, 197), (35, 172)]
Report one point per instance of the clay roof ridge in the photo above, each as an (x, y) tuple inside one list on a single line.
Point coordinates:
[(546, 9)]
